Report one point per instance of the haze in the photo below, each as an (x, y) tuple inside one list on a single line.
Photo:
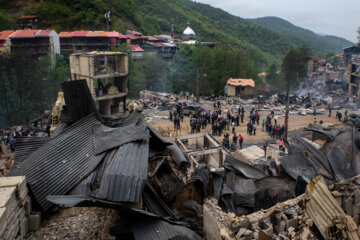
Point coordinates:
[(339, 18)]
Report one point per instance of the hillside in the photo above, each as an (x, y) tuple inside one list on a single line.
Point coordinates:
[(322, 44), (155, 17)]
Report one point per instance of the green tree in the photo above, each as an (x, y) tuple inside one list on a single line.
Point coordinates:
[(272, 76), (28, 89)]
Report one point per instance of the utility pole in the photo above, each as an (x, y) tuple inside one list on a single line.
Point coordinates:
[(198, 75), (197, 86), (107, 18), (287, 112)]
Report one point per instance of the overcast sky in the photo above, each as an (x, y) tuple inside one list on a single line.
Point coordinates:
[(333, 17)]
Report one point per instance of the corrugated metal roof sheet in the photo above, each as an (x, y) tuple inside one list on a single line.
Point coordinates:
[(243, 168), (107, 138), (28, 33), (157, 229), (5, 34), (25, 146), (81, 33), (136, 48), (66, 34), (59, 128), (44, 33), (131, 37), (178, 155), (125, 174), (322, 206), (62, 163)]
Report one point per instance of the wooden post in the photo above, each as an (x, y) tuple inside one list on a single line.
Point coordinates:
[(197, 87), (287, 113)]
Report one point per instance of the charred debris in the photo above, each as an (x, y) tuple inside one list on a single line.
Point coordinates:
[(190, 187)]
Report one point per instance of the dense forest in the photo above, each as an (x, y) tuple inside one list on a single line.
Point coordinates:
[(218, 64), (28, 89), (322, 44)]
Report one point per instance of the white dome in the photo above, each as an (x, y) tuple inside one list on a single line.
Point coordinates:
[(189, 31)]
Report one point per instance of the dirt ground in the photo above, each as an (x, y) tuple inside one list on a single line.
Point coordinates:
[(295, 122)]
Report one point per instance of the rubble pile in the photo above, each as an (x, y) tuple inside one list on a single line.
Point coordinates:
[(15, 208), (190, 188)]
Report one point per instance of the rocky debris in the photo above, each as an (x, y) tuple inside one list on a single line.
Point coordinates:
[(15, 207), (75, 223)]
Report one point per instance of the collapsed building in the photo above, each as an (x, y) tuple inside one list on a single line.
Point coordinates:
[(190, 186)]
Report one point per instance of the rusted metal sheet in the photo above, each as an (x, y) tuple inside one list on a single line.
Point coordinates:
[(322, 206)]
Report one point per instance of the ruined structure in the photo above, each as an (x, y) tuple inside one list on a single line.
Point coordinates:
[(243, 88), (106, 74), (353, 72)]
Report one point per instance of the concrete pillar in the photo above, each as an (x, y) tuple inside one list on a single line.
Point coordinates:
[(105, 107)]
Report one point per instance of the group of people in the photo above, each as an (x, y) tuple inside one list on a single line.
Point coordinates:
[(274, 131), (9, 138), (177, 115), (235, 138)]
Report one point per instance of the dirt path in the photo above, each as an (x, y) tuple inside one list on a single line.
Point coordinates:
[(295, 122)]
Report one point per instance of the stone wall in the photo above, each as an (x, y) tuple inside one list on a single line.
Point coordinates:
[(15, 207)]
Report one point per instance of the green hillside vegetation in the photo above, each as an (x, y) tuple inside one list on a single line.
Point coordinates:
[(266, 44), (320, 44)]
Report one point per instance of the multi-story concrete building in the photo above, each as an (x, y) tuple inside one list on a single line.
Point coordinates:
[(86, 41), (35, 42), (106, 74), (353, 74)]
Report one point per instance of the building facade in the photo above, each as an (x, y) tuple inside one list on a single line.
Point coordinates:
[(106, 74), (239, 87)]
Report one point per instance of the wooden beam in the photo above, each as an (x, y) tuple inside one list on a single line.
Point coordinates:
[(190, 136), (204, 152)]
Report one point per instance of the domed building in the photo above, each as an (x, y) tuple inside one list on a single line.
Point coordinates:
[(188, 33)]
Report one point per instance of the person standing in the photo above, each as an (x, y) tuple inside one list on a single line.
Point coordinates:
[(241, 140), (254, 129), (329, 111), (314, 111), (171, 115), (233, 127), (242, 114), (276, 119), (263, 124)]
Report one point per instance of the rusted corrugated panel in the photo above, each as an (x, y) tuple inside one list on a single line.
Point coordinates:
[(322, 206), (62, 163)]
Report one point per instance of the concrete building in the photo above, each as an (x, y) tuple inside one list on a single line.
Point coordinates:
[(87, 41), (106, 74), (5, 42), (353, 74), (243, 88), (28, 22), (350, 53), (35, 42)]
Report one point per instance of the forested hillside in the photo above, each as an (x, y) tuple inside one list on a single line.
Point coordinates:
[(155, 17), (322, 44)]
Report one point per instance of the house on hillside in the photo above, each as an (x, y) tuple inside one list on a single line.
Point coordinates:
[(35, 42), (5, 43), (239, 87)]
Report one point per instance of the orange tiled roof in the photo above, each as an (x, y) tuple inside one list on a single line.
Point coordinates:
[(241, 82)]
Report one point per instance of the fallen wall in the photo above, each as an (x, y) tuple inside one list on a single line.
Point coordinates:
[(15, 207)]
